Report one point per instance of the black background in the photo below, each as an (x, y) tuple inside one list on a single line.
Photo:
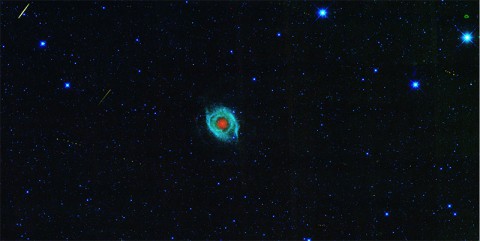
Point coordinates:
[(321, 153)]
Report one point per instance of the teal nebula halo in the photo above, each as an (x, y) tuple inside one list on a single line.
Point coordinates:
[(228, 133)]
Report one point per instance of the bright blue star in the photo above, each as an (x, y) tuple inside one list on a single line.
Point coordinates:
[(103, 7), (43, 44), (375, 70), (279, 34), (309, 239), (254, 79), (414, 84), (467, 38), (454, 214), (67, 85), (231, 51), (449, 205), (322, 13), (367, 153), (387, 214)]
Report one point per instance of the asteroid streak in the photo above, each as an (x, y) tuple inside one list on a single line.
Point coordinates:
[(19, 16)]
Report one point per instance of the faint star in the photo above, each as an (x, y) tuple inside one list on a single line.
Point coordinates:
[(279, 34), (387, 214)]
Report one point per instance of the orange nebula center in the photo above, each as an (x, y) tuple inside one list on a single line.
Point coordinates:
[(222, 123)]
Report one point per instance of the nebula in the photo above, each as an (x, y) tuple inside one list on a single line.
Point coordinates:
[(222, 123)]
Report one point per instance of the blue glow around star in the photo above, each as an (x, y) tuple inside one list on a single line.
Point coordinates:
[(455, 214), (254, 79), (414, 84), (67, 85), (43, 44), (387, 214), (375, 70), (279, 34), (467, 38), (449, 205), (322, 13)]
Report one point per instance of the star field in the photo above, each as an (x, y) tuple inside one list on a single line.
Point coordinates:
[(359, 120)]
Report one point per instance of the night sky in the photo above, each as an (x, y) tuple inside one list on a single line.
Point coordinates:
[(357, 120)]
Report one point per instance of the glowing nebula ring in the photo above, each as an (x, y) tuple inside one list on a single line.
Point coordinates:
[(228, 133)]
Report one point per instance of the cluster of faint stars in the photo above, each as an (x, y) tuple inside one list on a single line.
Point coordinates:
[(322, 13)]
